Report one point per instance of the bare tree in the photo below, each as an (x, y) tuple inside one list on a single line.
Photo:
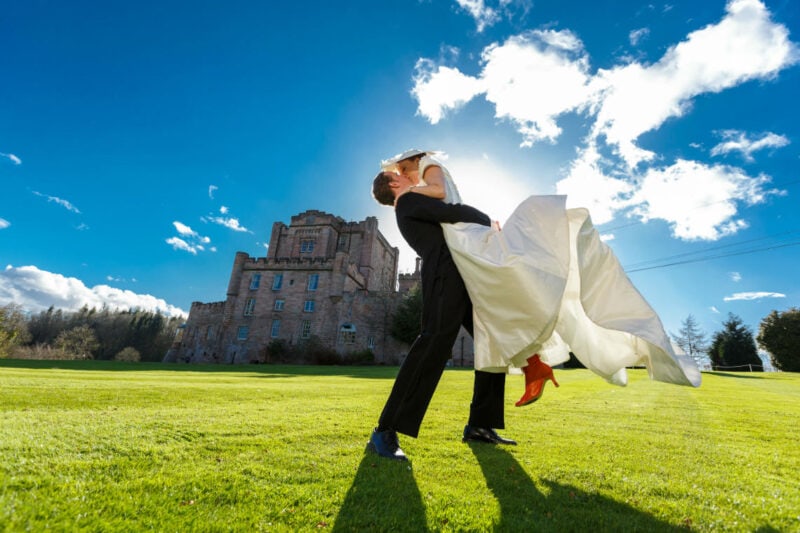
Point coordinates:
[(692, 340)]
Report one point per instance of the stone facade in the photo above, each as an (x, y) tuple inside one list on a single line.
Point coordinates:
[(322, 277)]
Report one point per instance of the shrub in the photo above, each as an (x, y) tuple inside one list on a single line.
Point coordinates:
[(129, 354), (360, 357), (41, 352), (313, 350), (278, 351)]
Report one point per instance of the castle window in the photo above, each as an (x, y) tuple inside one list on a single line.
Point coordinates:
[(347, 334), (342, 245), (308, 306), (277, 281), (276, 328), (278, 305), (306, 246), (305, 332), (210, 333), (242, 333), (249, 306), (370, 342), (313, 281), (255, 281)]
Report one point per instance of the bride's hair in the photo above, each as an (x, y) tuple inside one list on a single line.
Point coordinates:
[(381, 191)]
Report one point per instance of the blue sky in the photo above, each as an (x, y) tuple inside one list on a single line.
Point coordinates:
[(143, 144)]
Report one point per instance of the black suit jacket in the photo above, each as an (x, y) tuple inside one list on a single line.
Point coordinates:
[(419, 218)]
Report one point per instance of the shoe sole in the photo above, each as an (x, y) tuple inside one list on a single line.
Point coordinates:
[(528, 402)]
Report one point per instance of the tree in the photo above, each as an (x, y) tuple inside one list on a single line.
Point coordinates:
[(13, 328), (79, 341), (47, 325), (779, 334), (407, 320), (733, 348), (691, 339)]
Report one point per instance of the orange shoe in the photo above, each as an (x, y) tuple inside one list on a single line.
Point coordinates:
[(536, 375)]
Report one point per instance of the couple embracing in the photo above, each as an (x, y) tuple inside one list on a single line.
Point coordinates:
[(529, 295)]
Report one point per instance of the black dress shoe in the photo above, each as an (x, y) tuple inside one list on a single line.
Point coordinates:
[(386, 444), (487, 435)]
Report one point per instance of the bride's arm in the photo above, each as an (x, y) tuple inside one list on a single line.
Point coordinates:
[(434, 178)]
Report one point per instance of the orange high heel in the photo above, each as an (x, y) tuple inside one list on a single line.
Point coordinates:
[(536, 375)]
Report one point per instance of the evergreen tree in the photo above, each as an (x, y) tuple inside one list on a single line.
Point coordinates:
[(691, 339), (46, 326), (779, 334), (733, 348), (407, 320)]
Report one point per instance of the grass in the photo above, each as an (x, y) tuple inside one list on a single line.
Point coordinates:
[(101, 446)]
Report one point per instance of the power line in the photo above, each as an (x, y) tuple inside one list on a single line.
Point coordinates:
[(708, 258), (711, 249)]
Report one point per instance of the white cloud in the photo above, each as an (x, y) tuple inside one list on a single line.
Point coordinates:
[(223, 210), (119, 279), (11, 157), (179, 244), (191, 242), (439, 89), (230, 223), (588, 186), (36, 290), (211, 189), (607, 237), (484, 16), (699, 201), (738, 141), (183, 229), (531, 79), (736, 277), (535, 77), (635, 99), (753, 296), (60, 201), (4, 223), (636, 36), (714, 309)]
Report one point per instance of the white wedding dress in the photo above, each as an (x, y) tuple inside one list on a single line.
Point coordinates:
[(547, 284)]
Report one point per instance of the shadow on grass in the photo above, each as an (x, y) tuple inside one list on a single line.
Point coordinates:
[(383, 497), (267, 371), (523, 507)]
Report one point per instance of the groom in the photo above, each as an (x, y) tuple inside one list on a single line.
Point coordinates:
[(446, 307)]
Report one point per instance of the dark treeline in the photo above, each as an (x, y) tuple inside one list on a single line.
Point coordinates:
[(150, 334)]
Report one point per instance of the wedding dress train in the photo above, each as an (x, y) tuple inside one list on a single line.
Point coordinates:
[(547, 284)]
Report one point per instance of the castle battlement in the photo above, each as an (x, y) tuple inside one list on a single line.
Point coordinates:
[(261, 263), (207, 306)]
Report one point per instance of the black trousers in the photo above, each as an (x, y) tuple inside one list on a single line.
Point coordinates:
[(446, 307)]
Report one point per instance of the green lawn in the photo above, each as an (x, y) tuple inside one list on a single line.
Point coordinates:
[(101, 446)]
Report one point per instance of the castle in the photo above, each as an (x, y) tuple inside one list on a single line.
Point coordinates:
[(323, 278)]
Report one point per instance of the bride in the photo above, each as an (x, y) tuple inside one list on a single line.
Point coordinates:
[(547, 285)]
